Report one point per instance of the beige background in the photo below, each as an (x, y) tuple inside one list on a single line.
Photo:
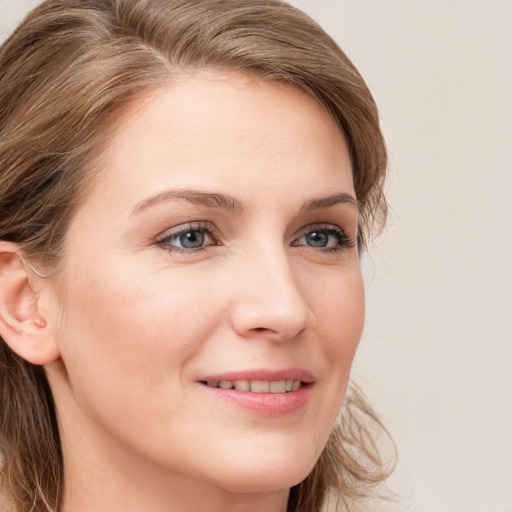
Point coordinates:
[(436, 357)]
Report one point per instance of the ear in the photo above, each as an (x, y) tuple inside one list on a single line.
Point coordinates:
[(21, 325)]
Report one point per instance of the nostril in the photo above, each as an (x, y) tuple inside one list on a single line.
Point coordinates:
[(264, 329)]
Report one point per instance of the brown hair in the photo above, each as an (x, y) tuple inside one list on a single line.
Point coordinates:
[(65, 73)]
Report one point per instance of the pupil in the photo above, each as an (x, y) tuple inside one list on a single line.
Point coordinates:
[(317, 239), (192, 239)]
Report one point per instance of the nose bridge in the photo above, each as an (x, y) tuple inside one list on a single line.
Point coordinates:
[(271, 302)]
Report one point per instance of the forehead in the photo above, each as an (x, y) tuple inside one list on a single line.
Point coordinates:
[(210, 129)]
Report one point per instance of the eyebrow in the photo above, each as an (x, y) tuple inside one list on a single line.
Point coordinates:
[(231, 204), (208, 199), (321, 203)]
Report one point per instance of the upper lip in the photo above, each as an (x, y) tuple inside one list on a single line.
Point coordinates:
[(263, 374)]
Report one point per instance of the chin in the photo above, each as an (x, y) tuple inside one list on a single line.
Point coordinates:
[(277, 471), (261, 481)]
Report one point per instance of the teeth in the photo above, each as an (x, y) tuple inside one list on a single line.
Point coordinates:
[(260, 386), (242, 385), (278, 386), (257, 386)]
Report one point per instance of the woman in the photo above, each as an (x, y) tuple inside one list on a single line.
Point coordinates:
[(186, 188)]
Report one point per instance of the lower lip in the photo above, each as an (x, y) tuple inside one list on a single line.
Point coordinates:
[(267, 404)]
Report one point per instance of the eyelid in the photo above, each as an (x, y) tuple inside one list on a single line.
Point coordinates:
[(196, 225)]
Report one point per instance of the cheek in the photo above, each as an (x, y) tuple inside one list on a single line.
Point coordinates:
[(125, 333), (340, 311), (339, 308)]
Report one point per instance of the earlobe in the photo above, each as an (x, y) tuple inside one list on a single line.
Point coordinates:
[(22, 326)]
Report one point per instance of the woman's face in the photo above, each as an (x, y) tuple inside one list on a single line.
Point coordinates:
[(210, 299)]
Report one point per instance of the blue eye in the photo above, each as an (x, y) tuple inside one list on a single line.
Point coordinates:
[(325, 237), (317, 239), (189, 238)]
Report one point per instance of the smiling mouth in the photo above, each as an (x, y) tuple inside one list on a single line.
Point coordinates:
[(257, 386)]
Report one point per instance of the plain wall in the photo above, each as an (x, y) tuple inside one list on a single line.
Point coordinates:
[(436, 356)]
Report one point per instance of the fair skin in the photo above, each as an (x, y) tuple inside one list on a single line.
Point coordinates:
[(217, 244)]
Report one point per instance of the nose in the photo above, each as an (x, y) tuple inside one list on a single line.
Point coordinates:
[(269, 303)]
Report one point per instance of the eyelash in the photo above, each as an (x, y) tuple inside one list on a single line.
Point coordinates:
[(343, 241)]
